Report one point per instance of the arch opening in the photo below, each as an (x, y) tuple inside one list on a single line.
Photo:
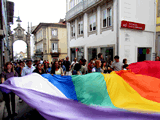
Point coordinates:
[(19, 50)]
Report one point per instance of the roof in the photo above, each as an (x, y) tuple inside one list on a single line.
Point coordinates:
[(63, 25)]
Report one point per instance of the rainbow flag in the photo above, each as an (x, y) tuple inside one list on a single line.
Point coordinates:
[(132, 94)]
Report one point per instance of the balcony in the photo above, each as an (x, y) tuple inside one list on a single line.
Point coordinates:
[(55, 52), (88, 3), (39, 51), (74, 11), (80, 7)]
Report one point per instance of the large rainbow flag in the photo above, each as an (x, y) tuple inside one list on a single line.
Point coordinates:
[(132, 94)]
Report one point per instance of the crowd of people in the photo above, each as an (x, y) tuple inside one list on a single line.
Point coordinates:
[(61, 67)]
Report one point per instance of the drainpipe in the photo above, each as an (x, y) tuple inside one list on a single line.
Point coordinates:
[(117, 40), (154, 38)]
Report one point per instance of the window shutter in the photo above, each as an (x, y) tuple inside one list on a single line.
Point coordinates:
[(56, 47), (158, 8), (53, 46)]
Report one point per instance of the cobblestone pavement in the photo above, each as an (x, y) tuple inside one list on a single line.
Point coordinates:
[(24, 111)]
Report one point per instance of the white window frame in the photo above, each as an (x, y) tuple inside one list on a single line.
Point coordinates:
[(92, 22), (107, 14), (72, 4), (54, 47), (39, 35), (54, 32), (73, 32), (80, 28)]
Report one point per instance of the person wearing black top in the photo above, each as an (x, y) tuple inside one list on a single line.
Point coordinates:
[(125, 66), (109, 67), (67, 64), (39, 69)]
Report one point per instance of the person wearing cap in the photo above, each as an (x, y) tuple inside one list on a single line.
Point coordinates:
[(28, 69)]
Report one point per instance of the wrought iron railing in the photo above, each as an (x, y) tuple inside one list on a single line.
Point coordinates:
[(80, 7), (58, 50), (39, 51), (88, 3), (75, 10)]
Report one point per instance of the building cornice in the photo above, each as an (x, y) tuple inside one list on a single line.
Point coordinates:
[(60, 25)]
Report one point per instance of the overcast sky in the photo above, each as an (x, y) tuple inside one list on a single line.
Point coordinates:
[(37, 11)]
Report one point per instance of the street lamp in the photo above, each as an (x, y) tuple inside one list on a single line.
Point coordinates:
[(18, 19)]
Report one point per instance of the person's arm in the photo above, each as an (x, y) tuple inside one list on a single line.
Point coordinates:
[(62, 72), (72, 64), (2, 77), (2, 80), (23, 72), (16, 74), (69, 66)]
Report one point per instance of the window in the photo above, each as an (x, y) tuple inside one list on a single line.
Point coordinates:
[(54, 33), (73, 53), (107, 53), (72, 3), (92, 23), (144, 54), (80, 28), (54, 47), (19, 32), (80, 53), (92, 53), (158, 14), (107, 17), (78, 1), (73, 30), (39, 35)]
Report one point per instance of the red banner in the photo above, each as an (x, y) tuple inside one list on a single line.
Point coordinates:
[(132, 25)]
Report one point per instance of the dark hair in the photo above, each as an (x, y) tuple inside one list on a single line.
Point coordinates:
[(38, 65), (124, 66), (53, 67), (77, 67), (29, 60), (84, 61), (5, 66), (116, 57), (59, 62), (45, 66), (103, 63), (99, 55), (91, 60), (124, 60), (20, 62)]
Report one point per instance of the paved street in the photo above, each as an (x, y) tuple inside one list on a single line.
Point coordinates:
[(24, 111)]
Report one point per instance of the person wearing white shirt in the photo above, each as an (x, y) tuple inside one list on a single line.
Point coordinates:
[(28, 69), (117, 66), (73, 64)]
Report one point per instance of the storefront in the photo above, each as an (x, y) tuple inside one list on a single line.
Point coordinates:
[(77, 52), (73, 53), (107, 53), (144, 54), (92, 53)]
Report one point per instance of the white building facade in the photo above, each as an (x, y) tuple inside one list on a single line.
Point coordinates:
[(112, 27)]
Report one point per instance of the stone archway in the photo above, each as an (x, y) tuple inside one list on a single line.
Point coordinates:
[(20, 35)]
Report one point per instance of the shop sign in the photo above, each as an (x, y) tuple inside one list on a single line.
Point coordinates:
[(132, 25)]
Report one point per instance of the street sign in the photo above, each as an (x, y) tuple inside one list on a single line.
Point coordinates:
[(132, 25)]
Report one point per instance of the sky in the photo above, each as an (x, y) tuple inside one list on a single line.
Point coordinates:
[(36, 11)]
